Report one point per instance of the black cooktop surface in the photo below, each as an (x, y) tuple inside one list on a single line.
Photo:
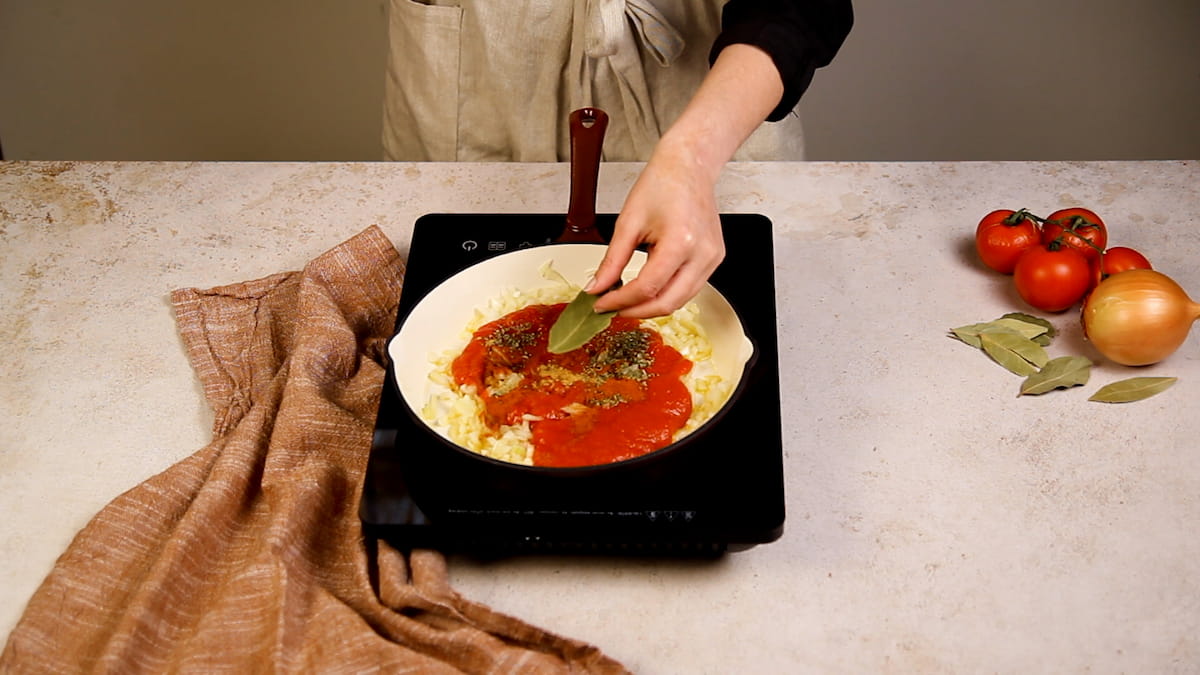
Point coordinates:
[(719, 489)]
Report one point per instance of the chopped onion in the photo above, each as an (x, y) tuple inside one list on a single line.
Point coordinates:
[(1138, 317)]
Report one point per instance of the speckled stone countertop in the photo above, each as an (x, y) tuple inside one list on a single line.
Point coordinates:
[(936, 521)]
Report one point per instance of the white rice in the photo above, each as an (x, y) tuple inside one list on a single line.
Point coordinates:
[(457, 413)]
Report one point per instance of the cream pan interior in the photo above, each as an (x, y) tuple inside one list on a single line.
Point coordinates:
[(437, 323)]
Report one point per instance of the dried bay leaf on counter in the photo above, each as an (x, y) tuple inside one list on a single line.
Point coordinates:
[(1015, 353), (967, 334), (1017, 342), (1026, 329), (1132, 389), (1063, 372), (1023, 328), (1044, 338), (1036, 320)]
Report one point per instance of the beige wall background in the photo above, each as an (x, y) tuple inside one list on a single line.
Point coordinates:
[(303, 80)]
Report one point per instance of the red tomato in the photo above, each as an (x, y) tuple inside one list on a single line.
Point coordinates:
[(1095, 272), (1002, 236), (1121, 258), (1079, 228), (1052, 277)]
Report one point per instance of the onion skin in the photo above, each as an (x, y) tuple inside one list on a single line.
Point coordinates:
[(1138, 317)]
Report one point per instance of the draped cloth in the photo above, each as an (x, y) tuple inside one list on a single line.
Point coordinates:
[(249, 556)]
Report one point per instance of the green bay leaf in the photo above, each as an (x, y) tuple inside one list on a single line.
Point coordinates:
[(1015, 353), (970, 333), (1132, 389), (1063, 372), (1036, 320), (577, 324), (1023, 328)]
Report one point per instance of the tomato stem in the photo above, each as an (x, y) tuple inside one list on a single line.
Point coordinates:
[(1019, 216), (1036, 218), (1072, 225)]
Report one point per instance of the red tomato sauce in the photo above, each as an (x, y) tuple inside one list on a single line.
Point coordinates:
[(622, 392)]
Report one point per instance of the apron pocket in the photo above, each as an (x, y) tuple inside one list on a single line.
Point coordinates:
[(421, 93)]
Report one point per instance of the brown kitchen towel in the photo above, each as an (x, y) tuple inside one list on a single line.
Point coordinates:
[(249, 556)]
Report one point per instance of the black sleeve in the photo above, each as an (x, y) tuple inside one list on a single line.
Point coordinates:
[(799, 35)]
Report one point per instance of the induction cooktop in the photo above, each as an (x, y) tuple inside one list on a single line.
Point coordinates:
[(717, 490)]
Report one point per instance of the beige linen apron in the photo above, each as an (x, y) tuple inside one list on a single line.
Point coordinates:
[(494, 80)]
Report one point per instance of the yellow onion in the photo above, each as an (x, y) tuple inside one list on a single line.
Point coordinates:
[(1138, 317)]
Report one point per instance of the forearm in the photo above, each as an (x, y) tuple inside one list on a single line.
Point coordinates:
[(800, 35), (735, 97), (761, 63)]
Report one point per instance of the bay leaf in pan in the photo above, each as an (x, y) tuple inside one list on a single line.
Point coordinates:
[(577, 324)]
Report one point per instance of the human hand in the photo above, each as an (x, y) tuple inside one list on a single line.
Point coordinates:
[(671, 207)]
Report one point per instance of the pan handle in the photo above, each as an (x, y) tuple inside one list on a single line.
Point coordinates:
[(587, 140)]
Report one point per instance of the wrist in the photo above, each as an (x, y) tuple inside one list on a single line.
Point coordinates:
[(742, 87), (695, 149)]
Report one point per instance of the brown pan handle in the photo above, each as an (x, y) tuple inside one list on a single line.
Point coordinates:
[(587, 140)]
